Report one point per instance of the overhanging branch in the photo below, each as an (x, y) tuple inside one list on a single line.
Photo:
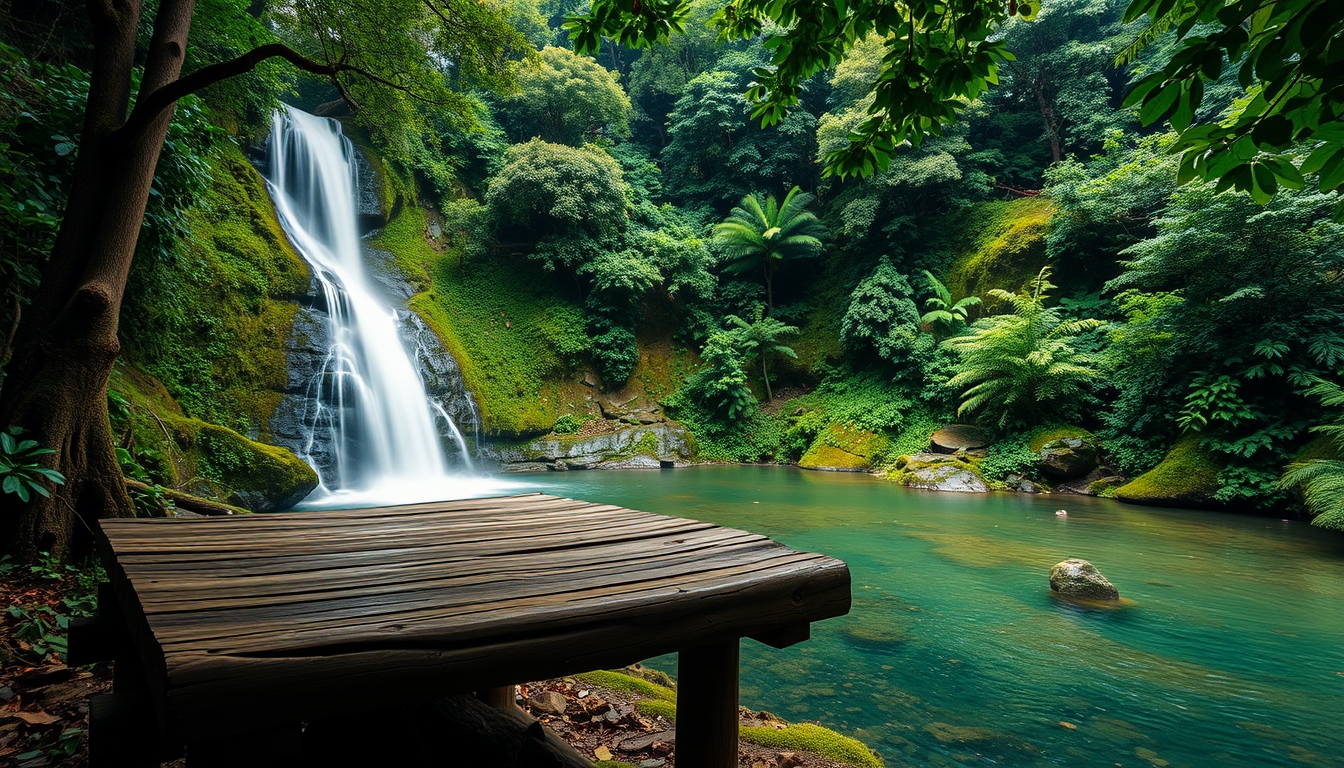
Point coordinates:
[(148, 108)]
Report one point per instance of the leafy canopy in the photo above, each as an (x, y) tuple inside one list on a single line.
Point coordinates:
[(941, 54), (566, 99)]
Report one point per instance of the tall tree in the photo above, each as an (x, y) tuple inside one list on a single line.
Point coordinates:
[(762, 235), (391, 56), (568, 99)]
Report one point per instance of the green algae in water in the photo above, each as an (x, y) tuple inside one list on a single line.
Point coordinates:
[(1229, 655)]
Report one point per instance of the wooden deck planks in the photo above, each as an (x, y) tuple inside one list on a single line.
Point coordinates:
[(267, 616)]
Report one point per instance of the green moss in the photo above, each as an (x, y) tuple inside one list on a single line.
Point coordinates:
[(1042, 437), (205, 459), (1187, 476), (658, 708), (612, 764), (806, 737), (619, 681), (999, 244), (845, 447), (212, 324)]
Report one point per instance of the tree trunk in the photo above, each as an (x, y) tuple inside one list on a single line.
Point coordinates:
[(1051, 124), (769, 288), (56, 387), (765, 373)]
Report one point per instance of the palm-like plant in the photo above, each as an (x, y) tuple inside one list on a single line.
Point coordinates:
[(761, 337), (1321, 481), (1017, 367), (760, 235), (944, 317)]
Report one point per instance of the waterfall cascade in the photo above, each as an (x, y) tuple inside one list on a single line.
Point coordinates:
[(382, 436)]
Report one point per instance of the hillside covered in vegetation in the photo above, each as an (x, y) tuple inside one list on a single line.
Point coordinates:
[(591, 234)]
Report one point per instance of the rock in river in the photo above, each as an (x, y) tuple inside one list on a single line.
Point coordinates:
[(1079, 578), (939, 472)]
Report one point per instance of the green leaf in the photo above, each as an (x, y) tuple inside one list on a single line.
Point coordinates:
[(1158, 102)]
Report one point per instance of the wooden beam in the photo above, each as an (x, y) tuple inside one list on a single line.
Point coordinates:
[(707, 705), (785, 636), (499, 698)]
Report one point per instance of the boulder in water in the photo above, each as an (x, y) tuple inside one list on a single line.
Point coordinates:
[(1079, 578), (939, 472)]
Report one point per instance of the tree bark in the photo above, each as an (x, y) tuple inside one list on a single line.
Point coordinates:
[(765, 373), (1051, 124), (57, 383)]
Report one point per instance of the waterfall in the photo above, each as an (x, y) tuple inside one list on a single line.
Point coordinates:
[(369, 406)]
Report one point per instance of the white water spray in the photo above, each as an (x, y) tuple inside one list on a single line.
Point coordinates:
[(372, 404)]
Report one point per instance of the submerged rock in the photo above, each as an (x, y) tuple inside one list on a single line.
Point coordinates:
[(958, 437), (1079, 578)]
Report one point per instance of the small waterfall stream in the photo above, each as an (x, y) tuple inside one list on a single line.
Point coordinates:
[(382, 435)]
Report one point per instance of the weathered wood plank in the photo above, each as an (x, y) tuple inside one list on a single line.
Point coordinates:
[(250, 621)]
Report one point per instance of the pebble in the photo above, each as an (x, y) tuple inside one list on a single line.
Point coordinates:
[(652, 762), (602, 753)]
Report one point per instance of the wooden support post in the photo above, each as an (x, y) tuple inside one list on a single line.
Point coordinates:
[(707, 706), (274, 747), (499, 698), (122, 732)]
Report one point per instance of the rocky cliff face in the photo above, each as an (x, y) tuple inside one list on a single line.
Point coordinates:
[(630, 447)]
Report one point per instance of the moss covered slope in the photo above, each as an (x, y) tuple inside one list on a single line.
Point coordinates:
[(513, 334), (1188, 476), (212, 324), (201, 458), (998, 244)]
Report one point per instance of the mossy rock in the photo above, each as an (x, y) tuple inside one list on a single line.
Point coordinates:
[(1042, 437), (1188, 477), (843, 448), (938, 472), (206, 459), (213, 323), (619, 681), (806, 737)]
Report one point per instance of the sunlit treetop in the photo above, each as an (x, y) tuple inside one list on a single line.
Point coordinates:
[(940, 56)]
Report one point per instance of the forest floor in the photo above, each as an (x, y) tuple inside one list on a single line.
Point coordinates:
[(44, 705), (608, 725)]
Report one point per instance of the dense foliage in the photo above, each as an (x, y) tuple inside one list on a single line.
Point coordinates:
[(795, 225)]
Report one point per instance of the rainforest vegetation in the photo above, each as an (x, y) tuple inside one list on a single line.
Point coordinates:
[(808, 232)]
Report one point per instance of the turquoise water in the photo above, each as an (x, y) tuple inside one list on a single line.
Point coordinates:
[(1229, 650)]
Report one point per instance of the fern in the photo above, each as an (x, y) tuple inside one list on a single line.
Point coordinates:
[(1321, 481), (1018, 367)]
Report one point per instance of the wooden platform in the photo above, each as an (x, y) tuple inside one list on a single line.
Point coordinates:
[(242, 623)]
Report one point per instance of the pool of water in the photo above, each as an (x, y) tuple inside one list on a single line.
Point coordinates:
[(1229, 650)]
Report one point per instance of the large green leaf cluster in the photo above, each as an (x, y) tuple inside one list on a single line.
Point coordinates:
[(566, 99), (1287, 55), (1022, 367)]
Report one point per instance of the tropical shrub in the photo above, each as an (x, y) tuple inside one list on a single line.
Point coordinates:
[(1019, 368), (761, 235)]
